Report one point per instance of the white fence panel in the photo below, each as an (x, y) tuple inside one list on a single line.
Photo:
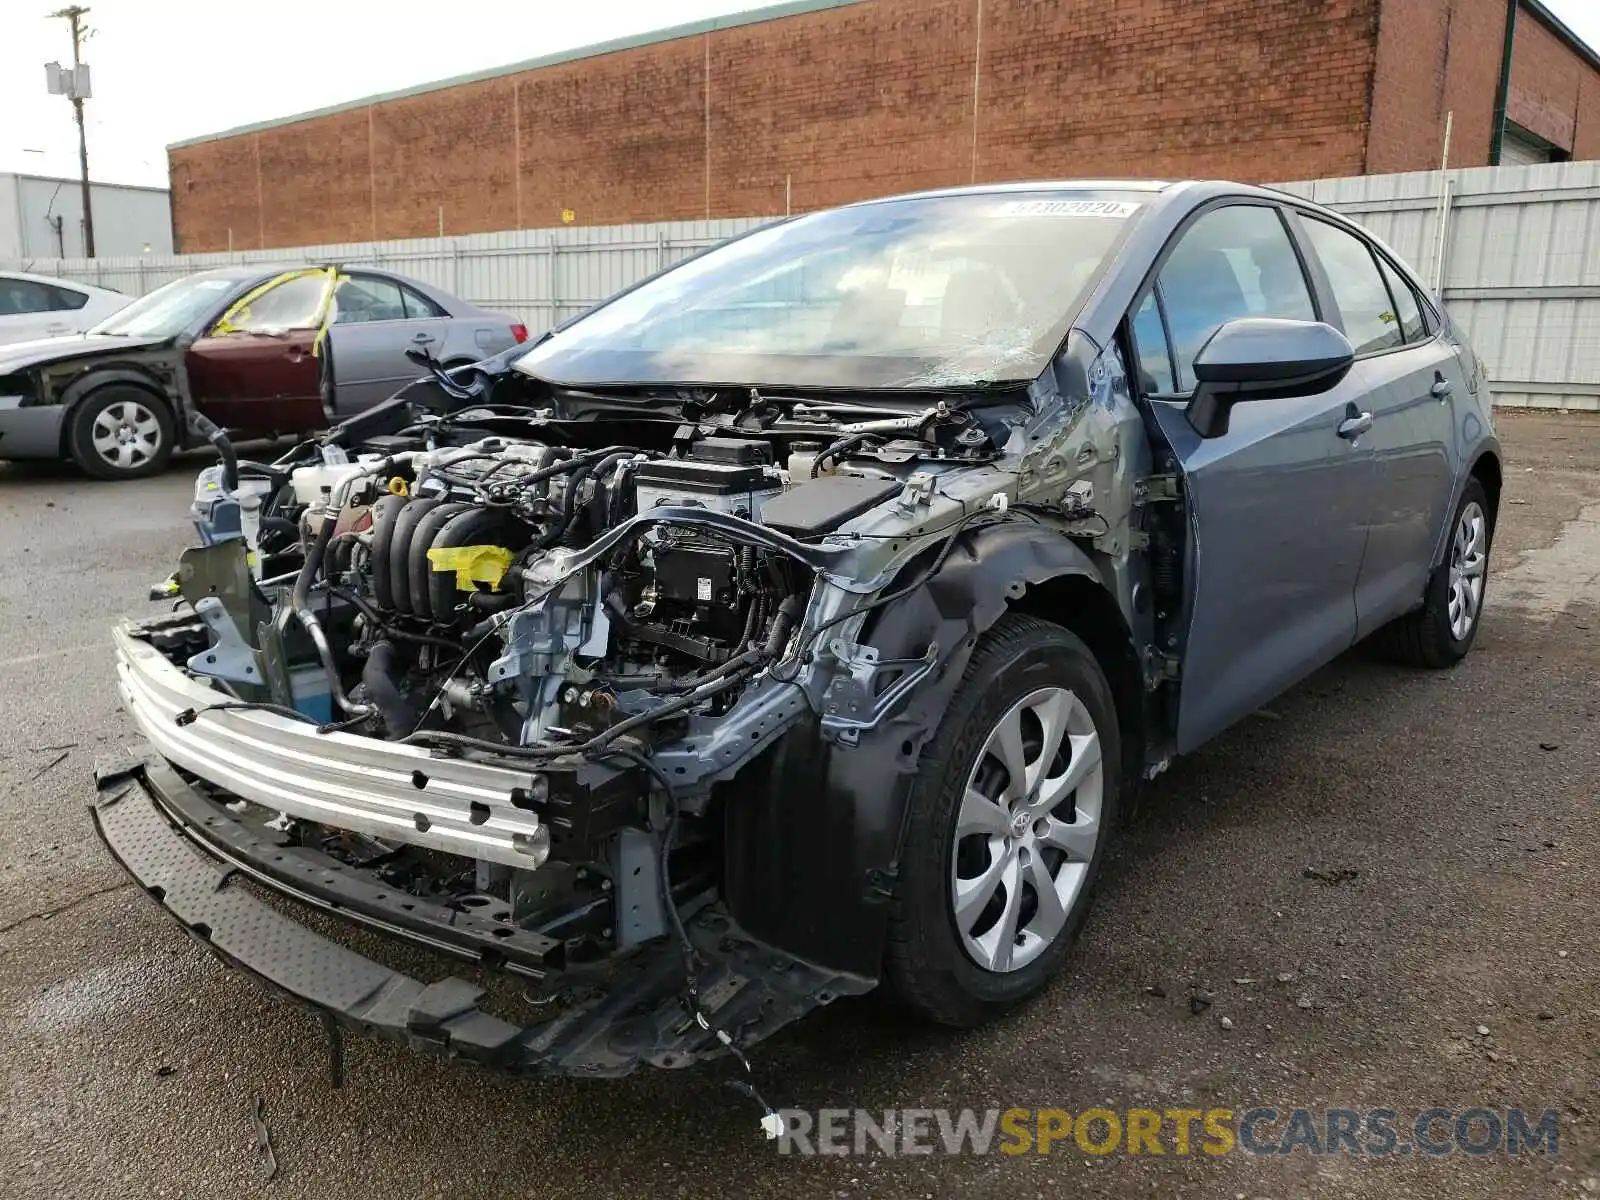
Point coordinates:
[(1520, 264)]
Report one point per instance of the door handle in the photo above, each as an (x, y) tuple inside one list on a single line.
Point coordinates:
[(1353, 427), (295, 354), (423, 339), (1441, 389)]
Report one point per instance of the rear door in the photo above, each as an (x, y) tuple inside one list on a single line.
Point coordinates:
[(31, 309), (376, 320), (256, 369), (1277, 506), (1410, 376)]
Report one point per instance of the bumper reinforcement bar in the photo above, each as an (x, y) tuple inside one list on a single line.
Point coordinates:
[(748, 988)]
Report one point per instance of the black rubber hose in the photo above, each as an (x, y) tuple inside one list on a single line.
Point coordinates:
[(569, 500), (837, 449), (379, 678), (788, 613), (600, 505), (376, 621), (208, 429)]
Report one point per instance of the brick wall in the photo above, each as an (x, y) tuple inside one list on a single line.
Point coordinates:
[(1434, 57), (1439, 56), (861, 100), (1244, 89), (1554, 93)]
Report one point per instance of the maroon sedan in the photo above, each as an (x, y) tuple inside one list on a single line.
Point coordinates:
[(258, 350)]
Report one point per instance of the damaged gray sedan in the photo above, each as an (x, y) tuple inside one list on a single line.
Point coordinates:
[(796, 621)]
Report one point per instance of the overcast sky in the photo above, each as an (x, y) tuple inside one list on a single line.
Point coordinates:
[(165, 70)]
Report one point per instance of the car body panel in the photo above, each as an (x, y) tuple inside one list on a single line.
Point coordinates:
[(250, 381), (374, 326), (257, 382), (68, 307), (1278, 514)]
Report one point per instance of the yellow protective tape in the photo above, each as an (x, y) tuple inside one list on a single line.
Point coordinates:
[(324, 314), (473, 564)]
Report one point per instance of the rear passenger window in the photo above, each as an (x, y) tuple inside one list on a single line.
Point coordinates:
[(67, 299), (419, 306), (1232, 262), (20, 296), (1370, 320), (1155, 364), (1405, 304)]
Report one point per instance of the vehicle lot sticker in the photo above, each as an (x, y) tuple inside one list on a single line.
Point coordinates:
[(1120, 209)]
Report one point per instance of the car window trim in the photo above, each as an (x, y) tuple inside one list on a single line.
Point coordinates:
[(394, 283), (1152, 276), (435, 311), (1166, 338), (1365, 243), (1433, 324)]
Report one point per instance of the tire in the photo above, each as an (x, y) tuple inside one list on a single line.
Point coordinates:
[(957, 966), (120, 432), (1437, 634)]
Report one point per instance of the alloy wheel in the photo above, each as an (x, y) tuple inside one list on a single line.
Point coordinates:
[(1469, 558), (1027, 830)]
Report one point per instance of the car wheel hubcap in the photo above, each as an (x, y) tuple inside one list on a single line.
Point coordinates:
[(1469, 558), (1027, 830), (126, 434)]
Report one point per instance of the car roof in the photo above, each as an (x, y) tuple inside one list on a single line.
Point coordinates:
[(1034, 185)]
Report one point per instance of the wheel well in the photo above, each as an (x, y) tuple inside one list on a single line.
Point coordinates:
[(1487, 472), (65, 449), (1084, 607)]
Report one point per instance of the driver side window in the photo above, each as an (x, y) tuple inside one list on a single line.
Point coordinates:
[(293, 304), (1232, 262)]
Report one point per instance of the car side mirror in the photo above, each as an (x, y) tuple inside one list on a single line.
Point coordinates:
[(1263, 358)]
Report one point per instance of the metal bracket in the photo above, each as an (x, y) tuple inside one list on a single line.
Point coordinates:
[(851, 703), (1161, 668), (1152, 488), (917, 492), (635, 866), (230, 657)]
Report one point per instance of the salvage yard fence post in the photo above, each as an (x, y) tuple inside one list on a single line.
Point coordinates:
[(1515, 252)]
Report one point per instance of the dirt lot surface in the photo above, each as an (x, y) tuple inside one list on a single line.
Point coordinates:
[(1363, 879)]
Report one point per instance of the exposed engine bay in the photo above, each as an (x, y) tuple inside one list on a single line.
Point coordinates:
[(608, 617), (538, 683)]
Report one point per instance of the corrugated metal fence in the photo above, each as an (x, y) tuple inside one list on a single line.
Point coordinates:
[(539, 275), (1519, 260)]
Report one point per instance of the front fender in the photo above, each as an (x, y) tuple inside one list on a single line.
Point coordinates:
[(812, 848), (98, 377)]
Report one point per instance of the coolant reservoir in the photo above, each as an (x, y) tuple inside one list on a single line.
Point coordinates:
[(801, 457), (308, 482)]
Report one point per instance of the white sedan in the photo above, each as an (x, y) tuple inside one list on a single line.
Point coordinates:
[(37, 306)]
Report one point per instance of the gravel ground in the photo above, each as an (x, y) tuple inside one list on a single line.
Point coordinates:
[(1450, 819)]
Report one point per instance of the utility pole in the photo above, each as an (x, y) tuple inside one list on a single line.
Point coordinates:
[(75, 86)]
